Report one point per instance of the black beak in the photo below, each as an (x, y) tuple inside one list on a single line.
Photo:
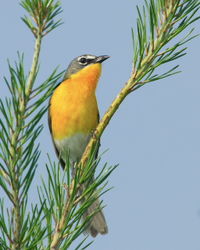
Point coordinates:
[(100, 59)]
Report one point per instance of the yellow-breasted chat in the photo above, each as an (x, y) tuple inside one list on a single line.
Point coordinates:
[(73, 115)]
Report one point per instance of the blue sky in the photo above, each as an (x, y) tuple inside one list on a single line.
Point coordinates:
[(154, 136)]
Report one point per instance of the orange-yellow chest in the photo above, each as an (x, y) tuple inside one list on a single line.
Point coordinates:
[(73, 106)]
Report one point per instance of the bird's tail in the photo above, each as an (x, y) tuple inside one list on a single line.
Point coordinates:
[(97, 223)]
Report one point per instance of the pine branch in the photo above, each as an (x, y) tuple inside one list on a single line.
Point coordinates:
[(167, 19), (18, 150)]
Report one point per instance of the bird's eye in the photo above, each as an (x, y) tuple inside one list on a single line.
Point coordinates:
[(83, 60)]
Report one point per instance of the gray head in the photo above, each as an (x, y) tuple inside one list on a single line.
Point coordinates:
[(81, 62)]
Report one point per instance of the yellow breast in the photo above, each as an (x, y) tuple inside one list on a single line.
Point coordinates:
[(73, 106)]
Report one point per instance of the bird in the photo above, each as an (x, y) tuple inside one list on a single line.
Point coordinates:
[(72, 117)]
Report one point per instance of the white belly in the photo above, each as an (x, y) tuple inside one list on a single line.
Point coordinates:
[(74, 145)]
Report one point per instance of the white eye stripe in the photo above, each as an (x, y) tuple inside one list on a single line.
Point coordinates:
[(90, 57), (85, 59)]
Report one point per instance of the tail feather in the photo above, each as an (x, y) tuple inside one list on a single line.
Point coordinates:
[(97, 222)]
